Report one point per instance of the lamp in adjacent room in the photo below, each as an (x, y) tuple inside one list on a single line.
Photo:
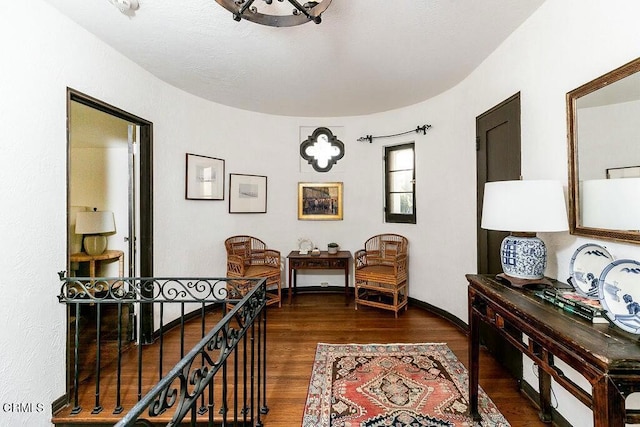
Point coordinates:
[(524, 208), (94, 225)]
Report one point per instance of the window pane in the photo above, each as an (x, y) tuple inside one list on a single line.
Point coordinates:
[(401, 203), (401, 159), (400, 181)]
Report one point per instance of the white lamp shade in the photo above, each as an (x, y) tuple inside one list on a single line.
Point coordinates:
[(524, 206), (95, 222), (75, 240), (613, 204)]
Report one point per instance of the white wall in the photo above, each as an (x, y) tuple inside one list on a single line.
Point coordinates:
[(99, 178), (565, 44)]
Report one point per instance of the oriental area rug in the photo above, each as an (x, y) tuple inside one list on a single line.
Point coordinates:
[(391, 385)]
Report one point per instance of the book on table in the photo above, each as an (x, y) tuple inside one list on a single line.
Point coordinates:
[(590, 310)]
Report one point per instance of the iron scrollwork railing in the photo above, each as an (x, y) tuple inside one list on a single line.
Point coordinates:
[(192, 385)]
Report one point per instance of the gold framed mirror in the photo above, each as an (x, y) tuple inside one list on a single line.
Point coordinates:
[(603, 122)]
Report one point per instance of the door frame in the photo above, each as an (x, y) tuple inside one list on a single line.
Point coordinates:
[(504, 352), (145, 193), (482, 170)]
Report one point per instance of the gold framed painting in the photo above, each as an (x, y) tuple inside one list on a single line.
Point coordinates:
[(320, 201)]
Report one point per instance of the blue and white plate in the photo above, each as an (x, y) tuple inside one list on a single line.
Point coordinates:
[(619, 294), (587, 262)]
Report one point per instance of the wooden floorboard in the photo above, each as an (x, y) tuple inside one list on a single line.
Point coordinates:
[(293, 332)]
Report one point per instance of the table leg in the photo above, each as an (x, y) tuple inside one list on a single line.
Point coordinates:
[(293, 273), (92, 268), (289, 287), (346, 283), (474, 364), (544, 385), (295, 281), (121, 265), (608, 404)]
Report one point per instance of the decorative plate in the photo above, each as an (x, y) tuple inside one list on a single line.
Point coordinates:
[(304, 246), (586, 264), (619, 293)]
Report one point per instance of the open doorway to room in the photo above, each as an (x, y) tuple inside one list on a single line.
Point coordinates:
[(109, 169)]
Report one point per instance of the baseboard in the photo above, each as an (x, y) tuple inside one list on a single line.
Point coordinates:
[(463, 326), (187, 316), (59, 403), (412, 302), (332, 289), (557, 420)]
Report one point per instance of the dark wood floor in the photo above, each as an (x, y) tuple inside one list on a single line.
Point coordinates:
[(293, 331)]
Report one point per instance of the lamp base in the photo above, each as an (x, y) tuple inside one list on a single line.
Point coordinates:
[(95, 244), (516, 282), (523, 256)]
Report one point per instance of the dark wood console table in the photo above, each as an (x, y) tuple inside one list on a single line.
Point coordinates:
[(608, 357), (324, 261)]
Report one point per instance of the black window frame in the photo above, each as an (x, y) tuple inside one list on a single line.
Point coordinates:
[(395, 217)]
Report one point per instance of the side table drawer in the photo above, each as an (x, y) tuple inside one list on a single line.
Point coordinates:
[(318, 264)]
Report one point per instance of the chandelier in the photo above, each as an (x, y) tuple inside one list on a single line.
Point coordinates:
[(268, 12)]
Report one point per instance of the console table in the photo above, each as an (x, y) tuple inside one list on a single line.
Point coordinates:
[(107, 255), (324, 261), (608, 357)]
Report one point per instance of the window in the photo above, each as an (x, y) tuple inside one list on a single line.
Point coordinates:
[(400, 184)]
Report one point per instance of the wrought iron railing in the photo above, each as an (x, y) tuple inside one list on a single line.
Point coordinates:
[(221, 379)]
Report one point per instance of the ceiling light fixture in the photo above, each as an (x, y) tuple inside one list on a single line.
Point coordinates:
[(125, 5), (273, 14)]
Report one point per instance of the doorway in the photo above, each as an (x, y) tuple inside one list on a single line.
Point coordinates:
[(498, 159), (109, 168)]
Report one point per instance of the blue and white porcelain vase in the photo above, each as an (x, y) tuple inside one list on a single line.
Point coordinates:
[(523, 256)]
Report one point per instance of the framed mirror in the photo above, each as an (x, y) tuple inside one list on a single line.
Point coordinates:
[(604, 155)]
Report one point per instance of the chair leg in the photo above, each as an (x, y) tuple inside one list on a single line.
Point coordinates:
[(395, 302), (279, 294), (355, 295)]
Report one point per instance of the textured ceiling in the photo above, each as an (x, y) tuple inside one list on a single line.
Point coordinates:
[(366, 56)]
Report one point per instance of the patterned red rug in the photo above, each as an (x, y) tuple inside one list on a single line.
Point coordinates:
[(376, 385)]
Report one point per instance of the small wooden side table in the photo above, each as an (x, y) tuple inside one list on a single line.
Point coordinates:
[(105, 256), (324, 261)]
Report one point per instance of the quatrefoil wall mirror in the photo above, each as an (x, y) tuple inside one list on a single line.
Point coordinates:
[(322, 149)]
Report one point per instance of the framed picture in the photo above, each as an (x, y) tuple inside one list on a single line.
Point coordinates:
[(320, 200), (247, 193), (626, 172), (204, 178)]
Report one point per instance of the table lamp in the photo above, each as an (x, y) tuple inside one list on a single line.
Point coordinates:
[(94, 225), (524, 208)]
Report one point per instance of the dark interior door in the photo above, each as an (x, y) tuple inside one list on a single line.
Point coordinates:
[(498, 159)]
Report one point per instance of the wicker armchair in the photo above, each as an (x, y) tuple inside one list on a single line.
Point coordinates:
[(381, 273), (249, 257)]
